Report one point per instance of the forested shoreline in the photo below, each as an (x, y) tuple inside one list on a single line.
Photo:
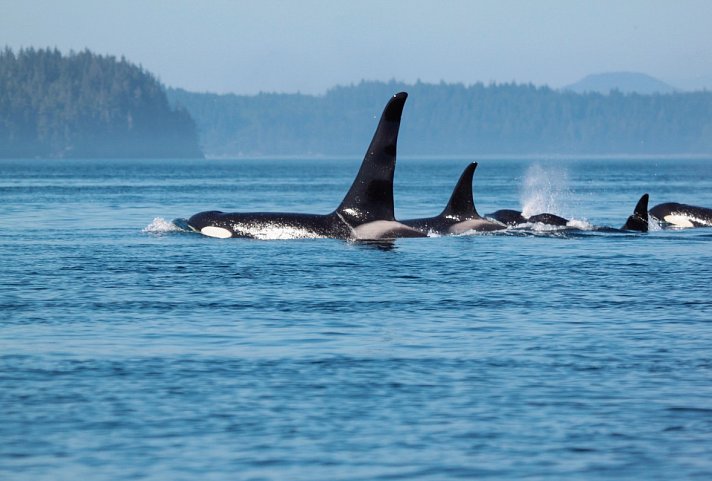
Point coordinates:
[(453, 119), (87, 105)]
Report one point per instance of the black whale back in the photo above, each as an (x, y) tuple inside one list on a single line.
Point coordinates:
[(370, 197)]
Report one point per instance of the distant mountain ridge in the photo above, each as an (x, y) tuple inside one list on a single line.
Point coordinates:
[(453, 119), (625, 82)]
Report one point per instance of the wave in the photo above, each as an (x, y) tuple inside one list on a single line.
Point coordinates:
[(159, 225)]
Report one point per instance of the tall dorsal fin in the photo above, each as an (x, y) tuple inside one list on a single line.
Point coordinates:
[(462, 204), (370, 197), (639, 220)]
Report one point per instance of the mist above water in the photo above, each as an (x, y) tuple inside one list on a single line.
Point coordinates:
[(545, 190)]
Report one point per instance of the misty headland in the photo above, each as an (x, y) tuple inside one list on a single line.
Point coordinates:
[(84, 105)]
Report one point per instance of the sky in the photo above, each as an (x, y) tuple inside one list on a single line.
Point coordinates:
[(309, 46)]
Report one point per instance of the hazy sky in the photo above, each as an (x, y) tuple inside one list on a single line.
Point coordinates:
[(311, 45)]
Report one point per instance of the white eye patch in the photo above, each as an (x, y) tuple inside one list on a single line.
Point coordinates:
[(219, 232)]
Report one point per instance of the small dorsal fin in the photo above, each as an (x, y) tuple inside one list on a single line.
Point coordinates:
[(370, 197), (462, 204), (639, 220), (641, 208)]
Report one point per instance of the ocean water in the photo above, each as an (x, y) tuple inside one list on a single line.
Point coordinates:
[(132, 350)]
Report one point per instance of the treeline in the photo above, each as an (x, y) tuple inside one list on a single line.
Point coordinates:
[(87, 105), (453, 119)]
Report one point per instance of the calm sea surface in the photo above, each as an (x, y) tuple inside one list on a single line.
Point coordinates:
[(132, 350)]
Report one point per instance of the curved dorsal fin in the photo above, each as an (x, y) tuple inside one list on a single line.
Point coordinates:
[(462, 203), (641, 208), (370, 197), (639, 220)]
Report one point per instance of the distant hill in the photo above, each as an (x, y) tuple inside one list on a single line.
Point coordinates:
[(452, 119), (87, 105), (625, 82)]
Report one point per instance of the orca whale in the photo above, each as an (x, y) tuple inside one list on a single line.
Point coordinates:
[(514, 217), (366, 212), (508, 217), (638, 221), (459, 214), (682, 215)]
